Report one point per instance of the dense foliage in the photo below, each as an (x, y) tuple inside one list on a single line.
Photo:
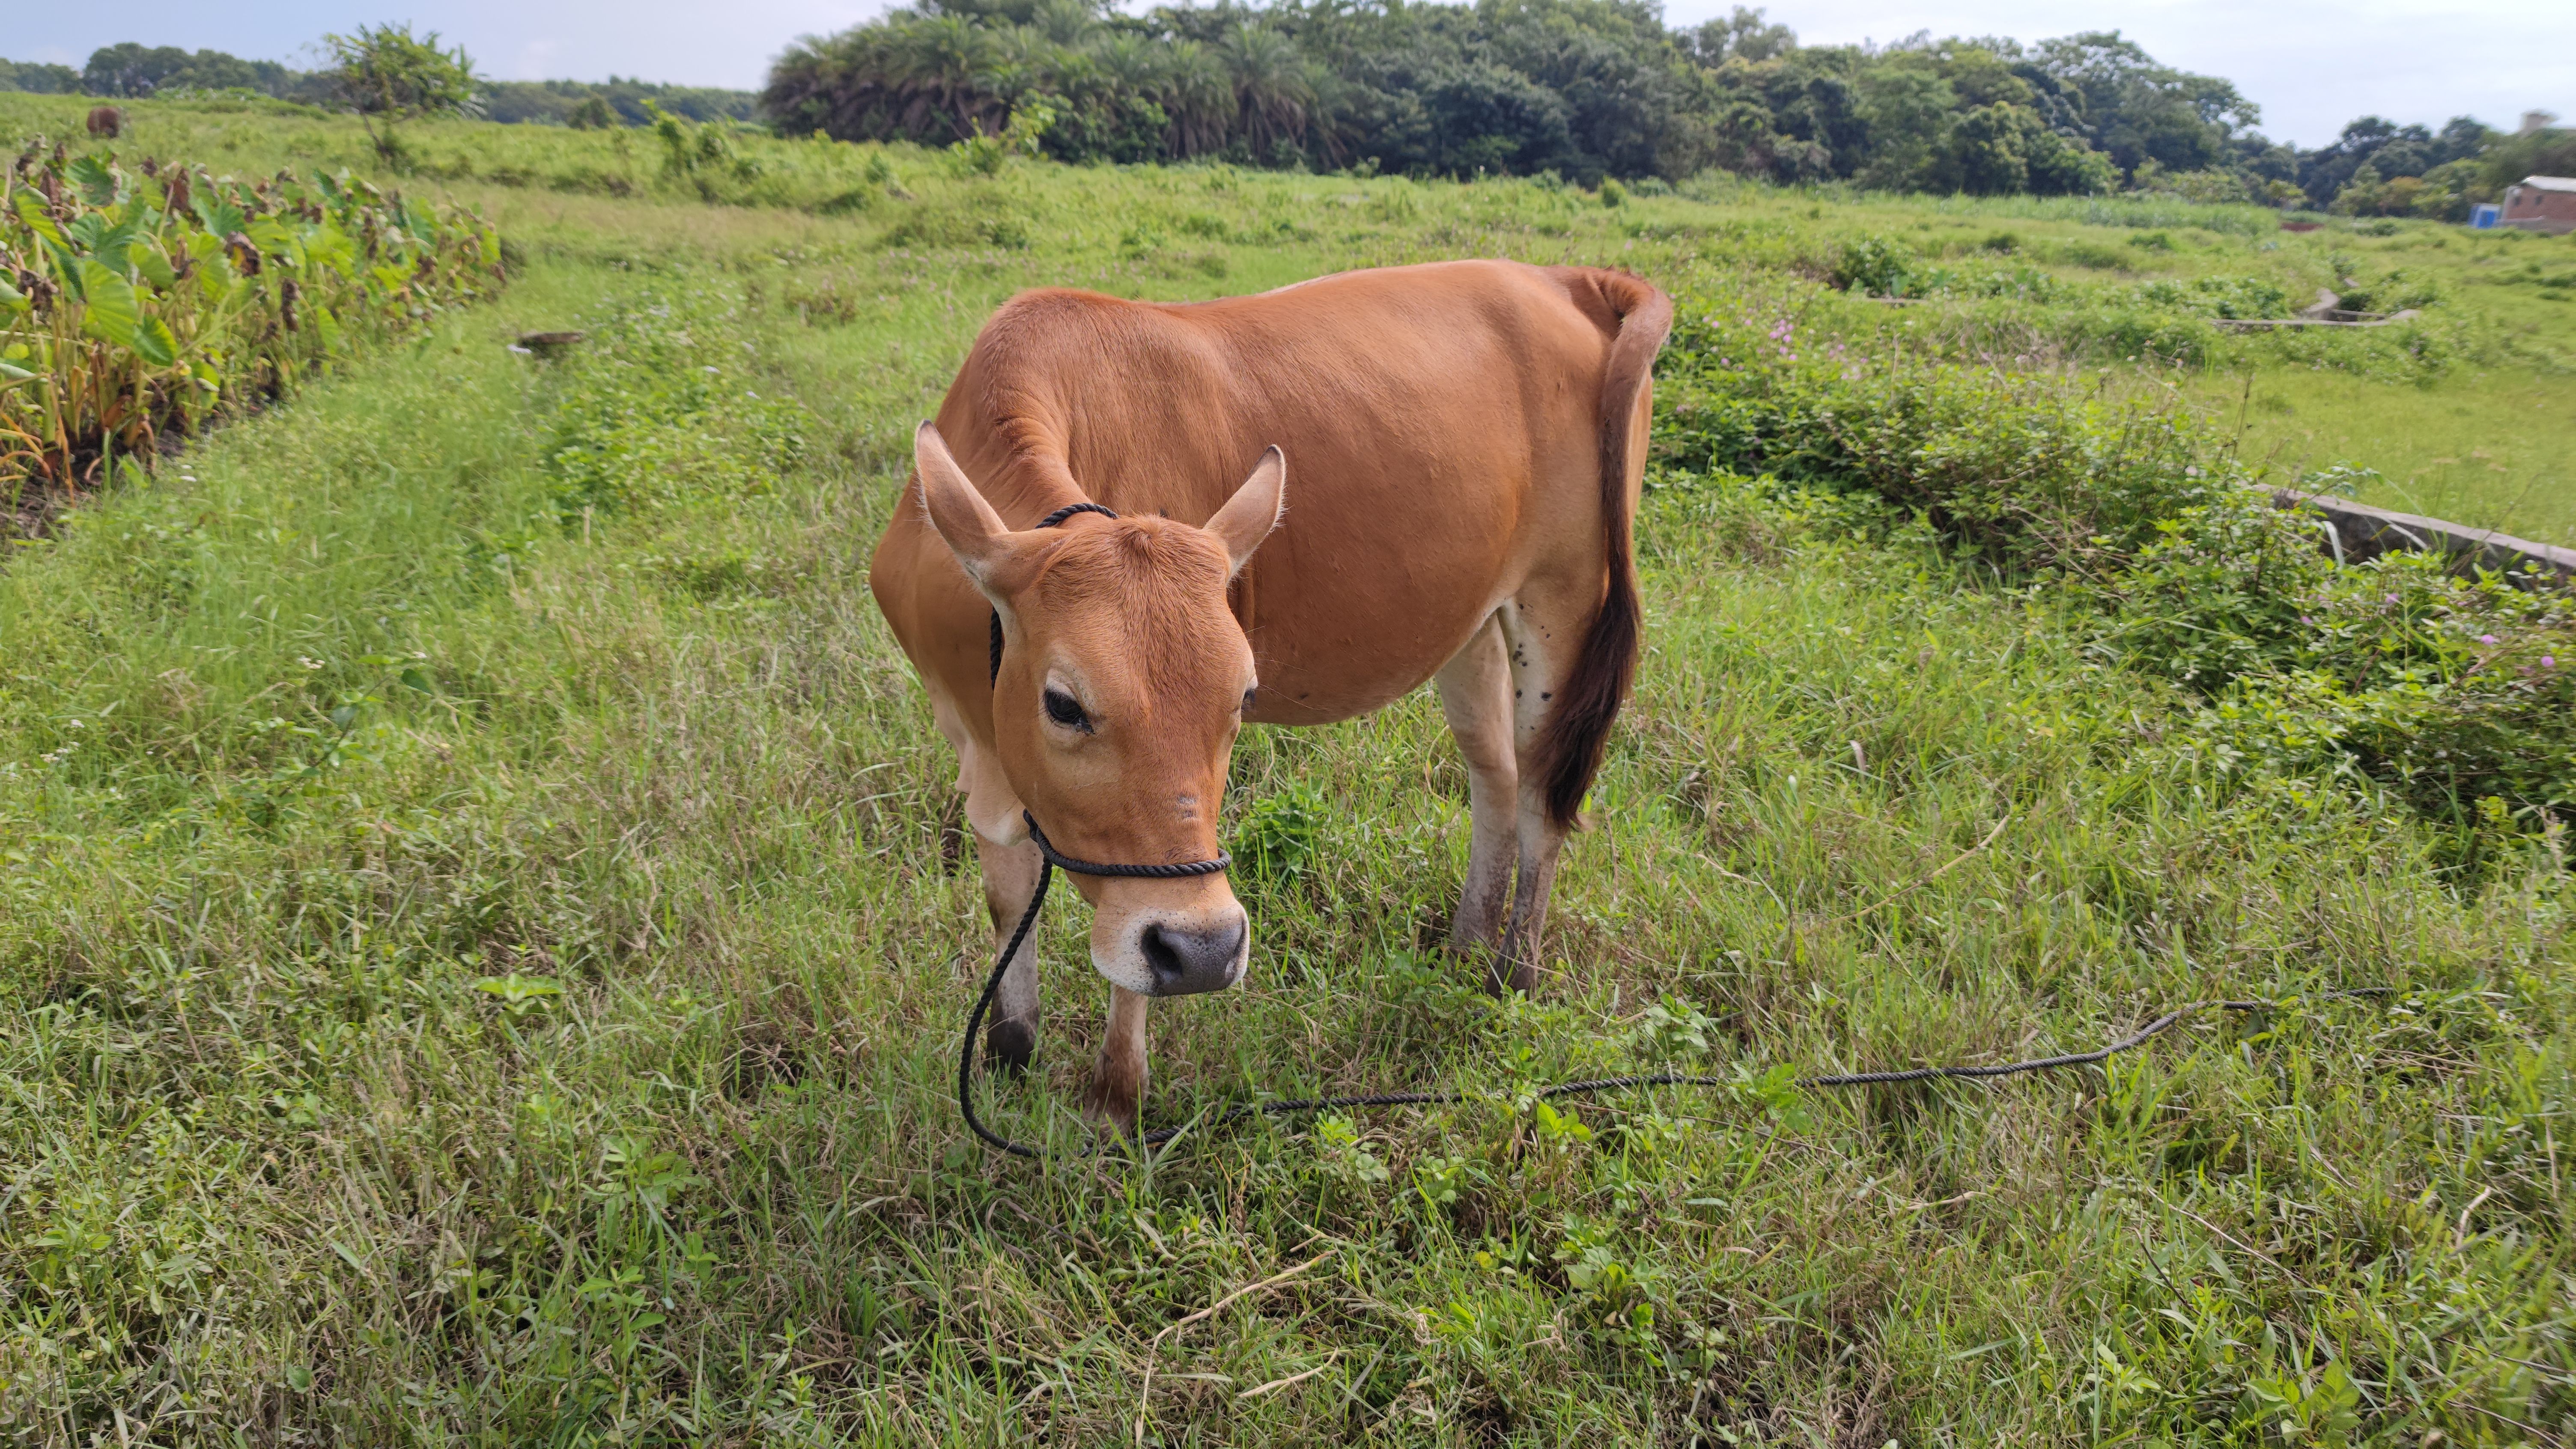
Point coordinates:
[(1582, 88), (617, 101), (2455, 695), (135, 303), (129, 71), (1586, 88), (39, 78)]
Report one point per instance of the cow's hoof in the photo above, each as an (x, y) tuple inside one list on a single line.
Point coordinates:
[(1112, 1114), (1009, 1047)]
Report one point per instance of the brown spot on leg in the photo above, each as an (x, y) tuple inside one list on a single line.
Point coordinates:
[(1539, 672)]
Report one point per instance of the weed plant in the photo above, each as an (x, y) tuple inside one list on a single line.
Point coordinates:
[(2459, 695)]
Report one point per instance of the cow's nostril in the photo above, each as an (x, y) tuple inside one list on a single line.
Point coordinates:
[(1162, 956), (1185, 962)]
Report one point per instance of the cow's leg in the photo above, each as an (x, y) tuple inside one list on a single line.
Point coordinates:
[(1010, 875), (1476, 695), (1118, 1079), (1542, 630)]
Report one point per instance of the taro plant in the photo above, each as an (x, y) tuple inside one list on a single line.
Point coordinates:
[(136, 304)]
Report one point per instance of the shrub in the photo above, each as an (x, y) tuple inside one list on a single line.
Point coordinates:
[(661, 415), (1873, 266), (2456, 696)]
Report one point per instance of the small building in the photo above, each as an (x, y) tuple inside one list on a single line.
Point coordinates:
[(2484, 215), (2544, 204)]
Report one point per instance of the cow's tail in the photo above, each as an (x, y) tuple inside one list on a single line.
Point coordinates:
[(1587, 704)]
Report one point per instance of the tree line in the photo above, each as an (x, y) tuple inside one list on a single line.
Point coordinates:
[(1588, 89), (1584, 89), (130, 71)]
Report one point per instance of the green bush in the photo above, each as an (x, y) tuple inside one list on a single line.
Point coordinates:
[(1873, 266), (2219, 296), (659, 412), (2455, 696)]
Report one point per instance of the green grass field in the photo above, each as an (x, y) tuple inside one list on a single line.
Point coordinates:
[(480, 960)]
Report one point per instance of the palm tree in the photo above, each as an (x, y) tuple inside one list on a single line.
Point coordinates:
[(1066, 22), (1271, 90), (1021, 59), (942, 74), (1133, 64), (1199, 95)]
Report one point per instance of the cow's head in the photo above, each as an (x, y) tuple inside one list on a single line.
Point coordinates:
[(1124, 679)]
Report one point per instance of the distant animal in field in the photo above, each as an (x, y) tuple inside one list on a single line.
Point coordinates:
[(1456, 452), (106, 123)]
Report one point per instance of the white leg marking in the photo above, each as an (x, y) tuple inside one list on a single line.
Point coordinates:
[(1476, 695)]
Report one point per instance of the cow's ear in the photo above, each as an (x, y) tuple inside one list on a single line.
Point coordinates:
[(1248, 517), (965, 522)]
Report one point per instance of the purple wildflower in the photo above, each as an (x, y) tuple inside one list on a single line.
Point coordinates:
[(2486, 638)]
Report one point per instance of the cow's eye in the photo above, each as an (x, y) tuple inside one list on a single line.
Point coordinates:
[(1247, 698), (1065, 710)]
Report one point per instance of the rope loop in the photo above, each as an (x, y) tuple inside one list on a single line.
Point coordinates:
[(1062, 861)]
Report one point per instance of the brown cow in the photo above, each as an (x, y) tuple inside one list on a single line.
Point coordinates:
[(1466, 441), (107, 122)]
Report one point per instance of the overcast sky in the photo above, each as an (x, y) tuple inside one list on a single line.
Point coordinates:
[(2310, 64)]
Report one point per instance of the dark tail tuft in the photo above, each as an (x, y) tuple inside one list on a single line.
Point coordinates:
[(1588, 702)]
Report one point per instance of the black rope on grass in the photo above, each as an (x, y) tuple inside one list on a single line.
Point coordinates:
[(1051, 859)]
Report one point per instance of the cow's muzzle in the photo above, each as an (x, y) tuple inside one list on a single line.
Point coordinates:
[(1189, 959)]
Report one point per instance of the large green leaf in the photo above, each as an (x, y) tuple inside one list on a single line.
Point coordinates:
[(331, 247), (154, 344), (220, 216), (31, 210), (90, 177), (278, 242), (110, 311), (155, 267), (110, 244)]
